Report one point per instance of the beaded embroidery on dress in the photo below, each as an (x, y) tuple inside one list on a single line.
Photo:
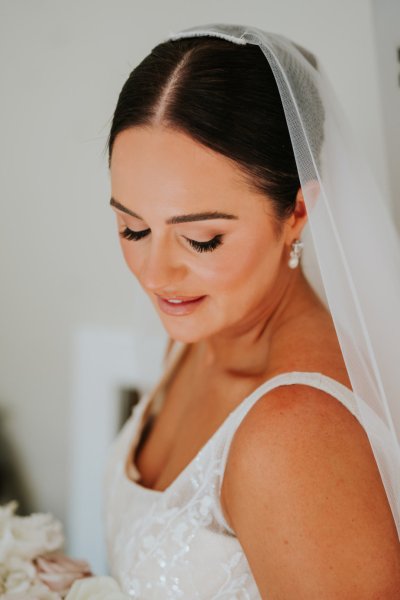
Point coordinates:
[(176, 544)]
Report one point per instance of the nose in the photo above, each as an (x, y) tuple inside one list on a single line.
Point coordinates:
[(161, 269)]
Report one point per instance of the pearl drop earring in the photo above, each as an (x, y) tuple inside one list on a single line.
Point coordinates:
[(295, 253)]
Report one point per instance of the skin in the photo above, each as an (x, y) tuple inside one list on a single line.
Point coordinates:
[(300, 467), (251, 265)]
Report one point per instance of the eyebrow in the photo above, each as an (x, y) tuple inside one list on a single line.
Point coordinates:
[(202, 216)]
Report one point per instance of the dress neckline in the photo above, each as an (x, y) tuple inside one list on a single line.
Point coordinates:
[(130, 455)]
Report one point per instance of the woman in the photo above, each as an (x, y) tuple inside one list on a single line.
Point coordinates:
[(247, 472)]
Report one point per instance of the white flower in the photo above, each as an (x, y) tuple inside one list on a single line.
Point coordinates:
[(17, 575), (96, 588), (27, 537), (36, 592), (18, 581), (6, 512)]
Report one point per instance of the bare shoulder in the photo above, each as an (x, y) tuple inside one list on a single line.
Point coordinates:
[(303, 493)]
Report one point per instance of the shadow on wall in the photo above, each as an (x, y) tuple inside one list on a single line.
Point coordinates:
[(12, 484)]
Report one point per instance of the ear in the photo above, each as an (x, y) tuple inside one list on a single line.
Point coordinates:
[(295, 223)]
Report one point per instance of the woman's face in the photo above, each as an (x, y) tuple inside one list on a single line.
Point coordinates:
[(195, 233)]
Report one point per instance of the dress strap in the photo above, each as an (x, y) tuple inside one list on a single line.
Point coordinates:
[(318, 380), (314, 379)]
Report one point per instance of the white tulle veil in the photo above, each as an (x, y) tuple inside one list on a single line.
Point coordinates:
[(352, 250)]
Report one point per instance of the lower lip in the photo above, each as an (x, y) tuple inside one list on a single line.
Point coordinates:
[(183, 308)]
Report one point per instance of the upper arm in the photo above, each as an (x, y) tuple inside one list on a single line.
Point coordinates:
[(304, 496)]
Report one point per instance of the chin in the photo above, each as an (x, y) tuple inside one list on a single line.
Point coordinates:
[(184, 332)]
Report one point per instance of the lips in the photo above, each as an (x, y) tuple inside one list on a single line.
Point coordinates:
[(179, 305), (176, 299)]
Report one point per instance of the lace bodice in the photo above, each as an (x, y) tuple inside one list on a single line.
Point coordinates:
[(176, 544)]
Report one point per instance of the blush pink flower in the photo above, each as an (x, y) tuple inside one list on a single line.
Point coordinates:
[(58, 572)]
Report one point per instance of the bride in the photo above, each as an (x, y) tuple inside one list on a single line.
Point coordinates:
[(247, 472)]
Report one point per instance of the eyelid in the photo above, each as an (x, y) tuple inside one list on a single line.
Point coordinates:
[(206, 246), (131, 234)]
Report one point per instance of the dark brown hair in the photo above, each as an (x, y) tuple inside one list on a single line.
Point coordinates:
[(223, 95)]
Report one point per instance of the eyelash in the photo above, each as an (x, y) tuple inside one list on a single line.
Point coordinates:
[(209, 246)]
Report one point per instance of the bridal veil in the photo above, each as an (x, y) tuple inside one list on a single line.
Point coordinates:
[(353, 246)]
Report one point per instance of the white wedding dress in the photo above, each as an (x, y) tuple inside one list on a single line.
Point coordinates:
[(176, 544)]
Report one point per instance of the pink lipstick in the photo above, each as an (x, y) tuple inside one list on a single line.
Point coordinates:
[(179, 305)]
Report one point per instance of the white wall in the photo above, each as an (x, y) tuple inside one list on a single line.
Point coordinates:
[(386, 20), (62, 64)]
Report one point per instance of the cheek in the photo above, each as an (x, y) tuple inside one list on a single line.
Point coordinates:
[(253, 264)]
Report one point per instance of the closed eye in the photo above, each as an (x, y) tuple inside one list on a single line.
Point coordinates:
[(129, 234), (207, 246)]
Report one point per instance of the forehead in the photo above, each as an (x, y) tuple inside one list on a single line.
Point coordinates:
[(159, 162)]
